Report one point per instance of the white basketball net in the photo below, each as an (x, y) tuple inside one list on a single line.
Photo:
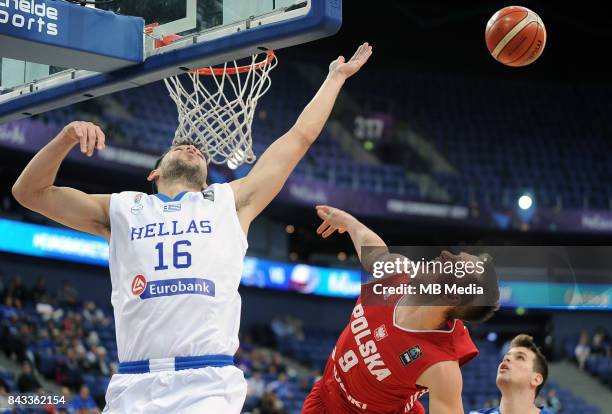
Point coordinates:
[(217, 107)]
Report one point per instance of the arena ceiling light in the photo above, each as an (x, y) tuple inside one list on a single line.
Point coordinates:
[(525, 202)]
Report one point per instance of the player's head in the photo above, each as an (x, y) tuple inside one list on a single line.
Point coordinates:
[(470, 271), (523, 366), (182, 162)]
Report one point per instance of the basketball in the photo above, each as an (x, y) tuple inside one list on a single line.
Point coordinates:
[(515, 36)]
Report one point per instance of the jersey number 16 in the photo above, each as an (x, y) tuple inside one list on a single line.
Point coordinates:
[(180, 259)]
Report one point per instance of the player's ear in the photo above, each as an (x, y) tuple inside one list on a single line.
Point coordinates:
[(153, 175), (537, 379)]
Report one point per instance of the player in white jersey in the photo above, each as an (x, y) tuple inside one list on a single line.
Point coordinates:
[(176, 257)]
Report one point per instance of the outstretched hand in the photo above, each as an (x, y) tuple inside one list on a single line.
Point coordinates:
[(345, 69), (333, 219)]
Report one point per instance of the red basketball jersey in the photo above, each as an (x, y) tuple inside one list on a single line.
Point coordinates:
[(375, 363)]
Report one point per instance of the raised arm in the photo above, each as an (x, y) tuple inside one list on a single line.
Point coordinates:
[(34, 188), (335, 219), (255, 191), (445, 383)]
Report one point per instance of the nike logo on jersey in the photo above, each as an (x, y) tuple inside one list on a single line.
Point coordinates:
[(172, 287)]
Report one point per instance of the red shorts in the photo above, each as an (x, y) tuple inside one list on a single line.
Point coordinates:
[(316, 403), (417, 408)]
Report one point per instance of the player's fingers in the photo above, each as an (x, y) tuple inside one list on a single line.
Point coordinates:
[(83, 142), (329, 232), (357, 52), (365, 55), (100, 138), (91, 139), (323, 213), (78, 130), (322, 227), (81, 135), (341, 231), (363, 50)]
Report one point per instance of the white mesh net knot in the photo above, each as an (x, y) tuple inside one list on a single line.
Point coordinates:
[(216, 107)]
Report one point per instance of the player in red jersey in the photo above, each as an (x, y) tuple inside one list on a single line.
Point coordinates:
[(392, 351)]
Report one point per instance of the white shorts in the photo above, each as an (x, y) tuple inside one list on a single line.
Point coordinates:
[(215, 390)]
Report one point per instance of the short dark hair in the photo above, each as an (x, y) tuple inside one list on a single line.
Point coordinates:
[(156, 166), (540, 364), (481, 307)]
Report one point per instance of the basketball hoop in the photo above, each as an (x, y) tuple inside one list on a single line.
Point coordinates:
[(216, 107)]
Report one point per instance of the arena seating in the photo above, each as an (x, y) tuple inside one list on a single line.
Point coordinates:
[(52, 334), (499, 143), (599, 364), (478, 376), (505, 137)]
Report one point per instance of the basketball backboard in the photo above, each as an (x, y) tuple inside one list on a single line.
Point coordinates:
[(212, 32)]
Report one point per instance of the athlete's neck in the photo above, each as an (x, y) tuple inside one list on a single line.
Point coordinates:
[(172, 189), (519, 401), (421, 318)]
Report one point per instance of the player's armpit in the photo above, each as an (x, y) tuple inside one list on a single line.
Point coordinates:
[(445, 383), (73, 208), (254, 192)]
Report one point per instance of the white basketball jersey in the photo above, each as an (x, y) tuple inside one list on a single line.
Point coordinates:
[(175, 267)]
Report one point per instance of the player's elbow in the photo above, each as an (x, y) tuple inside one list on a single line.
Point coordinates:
[(23, 195), (19, 193)]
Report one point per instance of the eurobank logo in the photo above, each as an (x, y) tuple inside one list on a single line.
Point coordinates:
[(139, 284), (30, 15), (170, 287)]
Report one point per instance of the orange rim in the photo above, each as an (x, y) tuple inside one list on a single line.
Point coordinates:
[(167, 40), (270, 56)]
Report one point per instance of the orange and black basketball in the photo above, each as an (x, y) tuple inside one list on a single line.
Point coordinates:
[(515, 36)]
